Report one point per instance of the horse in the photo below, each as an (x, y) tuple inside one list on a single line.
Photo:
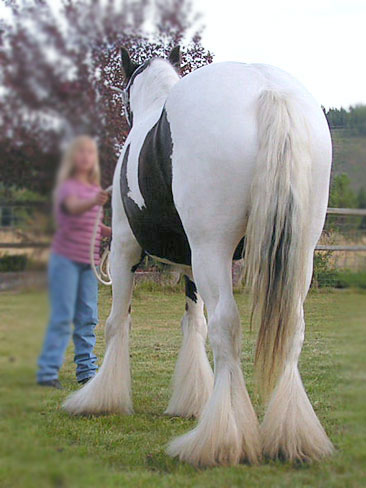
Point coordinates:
[(233, 159)]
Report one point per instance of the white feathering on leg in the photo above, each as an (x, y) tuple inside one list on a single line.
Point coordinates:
[(110, 390), (193, 377)]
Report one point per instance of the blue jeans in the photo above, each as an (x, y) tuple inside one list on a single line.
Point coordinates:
[(73, 292)]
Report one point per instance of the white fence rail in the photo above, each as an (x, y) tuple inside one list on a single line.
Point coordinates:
[(355, 212), (347, 211)]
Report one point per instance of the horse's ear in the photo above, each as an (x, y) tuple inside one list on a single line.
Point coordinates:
[(128, 66), (175, 57)]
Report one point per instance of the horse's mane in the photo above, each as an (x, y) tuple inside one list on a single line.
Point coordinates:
[(157, 80)]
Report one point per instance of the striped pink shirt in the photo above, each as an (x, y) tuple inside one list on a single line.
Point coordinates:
[(74, 232)]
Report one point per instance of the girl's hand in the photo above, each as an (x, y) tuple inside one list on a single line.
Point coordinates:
[(74, 206), (101, 198), (106, 231)]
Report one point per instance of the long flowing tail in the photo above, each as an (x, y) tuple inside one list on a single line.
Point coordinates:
[(276, 245)]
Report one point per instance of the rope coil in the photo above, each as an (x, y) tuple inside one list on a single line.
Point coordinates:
[(103, 275)]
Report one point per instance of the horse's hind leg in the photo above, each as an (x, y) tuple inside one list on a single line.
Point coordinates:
[(290, 427), (109, 391), (227, 431), (193, 377)]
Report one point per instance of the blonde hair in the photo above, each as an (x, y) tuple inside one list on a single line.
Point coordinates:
[(67, 165)]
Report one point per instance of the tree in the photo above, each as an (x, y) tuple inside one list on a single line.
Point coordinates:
[(337, 118), (58, 66), (354, 118), (341, 193), (361, 203), (357, 119)]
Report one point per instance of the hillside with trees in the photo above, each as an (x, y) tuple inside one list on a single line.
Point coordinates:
[(353, 119), (348, 127), (349, 156)]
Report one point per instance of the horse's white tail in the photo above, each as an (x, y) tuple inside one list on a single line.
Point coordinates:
[(276, 246)]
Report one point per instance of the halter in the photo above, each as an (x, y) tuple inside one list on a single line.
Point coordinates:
[(126, 102), (126, 91)]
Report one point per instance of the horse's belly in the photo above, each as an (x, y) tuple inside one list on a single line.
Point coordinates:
[(160, 237)]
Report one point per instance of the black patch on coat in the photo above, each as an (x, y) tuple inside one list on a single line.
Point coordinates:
[(191, 290), (157, 227), (239, 251)]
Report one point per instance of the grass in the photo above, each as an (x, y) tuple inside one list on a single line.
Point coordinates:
[(41, 446)]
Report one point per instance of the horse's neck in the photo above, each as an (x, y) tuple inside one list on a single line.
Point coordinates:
[(152, 92)]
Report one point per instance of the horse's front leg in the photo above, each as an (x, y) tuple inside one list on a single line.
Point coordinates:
[(110, 390), (193, 377)]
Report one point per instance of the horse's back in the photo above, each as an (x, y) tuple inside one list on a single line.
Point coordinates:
[(215, 107)]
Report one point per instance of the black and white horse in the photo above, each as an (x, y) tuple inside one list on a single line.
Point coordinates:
[(228, 151)]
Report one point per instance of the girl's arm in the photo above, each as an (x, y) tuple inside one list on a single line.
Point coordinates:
[(74, 205)]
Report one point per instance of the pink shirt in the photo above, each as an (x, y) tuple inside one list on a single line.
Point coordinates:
[(74, 232)]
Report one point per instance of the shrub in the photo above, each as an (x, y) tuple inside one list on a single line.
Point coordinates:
[(17, 262), (324, 274), (350, 279)]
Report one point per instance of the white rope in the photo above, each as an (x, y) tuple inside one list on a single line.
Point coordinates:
[(104, 274)]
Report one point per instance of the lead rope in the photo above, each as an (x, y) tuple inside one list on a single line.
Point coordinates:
[(104, 273)]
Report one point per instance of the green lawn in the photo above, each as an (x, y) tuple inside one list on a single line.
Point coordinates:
[(41, 446)]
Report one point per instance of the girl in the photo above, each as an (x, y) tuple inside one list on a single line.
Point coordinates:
[(73, 288)]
